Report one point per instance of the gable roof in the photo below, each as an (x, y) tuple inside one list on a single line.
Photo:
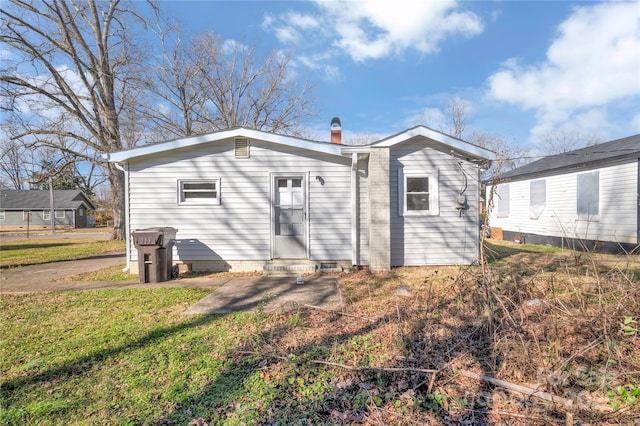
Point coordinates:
[(456, 144), (322, 147), (583, 158), (39, 200)]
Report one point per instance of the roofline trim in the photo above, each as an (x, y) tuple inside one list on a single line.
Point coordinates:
[(322, 147), (426, 132)]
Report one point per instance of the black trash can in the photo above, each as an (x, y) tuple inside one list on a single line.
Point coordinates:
[(155, 253)]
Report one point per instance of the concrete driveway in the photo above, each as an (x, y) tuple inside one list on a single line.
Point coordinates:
[(230, 293)]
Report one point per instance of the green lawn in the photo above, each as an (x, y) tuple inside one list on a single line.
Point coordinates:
[(36, 251), (131, 357)]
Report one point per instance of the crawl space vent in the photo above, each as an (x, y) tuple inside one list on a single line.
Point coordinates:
[(242, 148)]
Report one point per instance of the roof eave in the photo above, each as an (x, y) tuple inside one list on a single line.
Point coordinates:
[(455, 143), (123, 156)]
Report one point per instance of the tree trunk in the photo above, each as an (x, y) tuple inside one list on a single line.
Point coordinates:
[(116, 179)]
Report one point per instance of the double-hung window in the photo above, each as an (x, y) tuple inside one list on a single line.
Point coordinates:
[(199, 191), (46, 215), (418, 193)]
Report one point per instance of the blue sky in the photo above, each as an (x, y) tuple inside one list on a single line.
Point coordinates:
[(525, 69)]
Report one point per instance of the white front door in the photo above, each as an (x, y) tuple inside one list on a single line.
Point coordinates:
[(289, 218)]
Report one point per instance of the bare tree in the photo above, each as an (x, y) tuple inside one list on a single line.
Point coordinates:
[(72, 73), (210, 84), (362, 139), (508, 156), (12, 164), (456, 116), (564, 141)]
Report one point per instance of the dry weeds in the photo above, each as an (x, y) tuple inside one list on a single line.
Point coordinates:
[(547, 321)]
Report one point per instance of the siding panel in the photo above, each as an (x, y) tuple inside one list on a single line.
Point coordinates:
[(240, 227), (448, 238), (618, 207)]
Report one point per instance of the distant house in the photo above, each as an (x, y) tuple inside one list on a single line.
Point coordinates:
[(33, 208), (247, 200), (584, 199)]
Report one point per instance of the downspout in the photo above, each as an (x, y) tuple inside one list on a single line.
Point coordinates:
[(126, 209), (355, 220)]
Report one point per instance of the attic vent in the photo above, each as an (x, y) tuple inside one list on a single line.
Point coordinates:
[(242, 148)]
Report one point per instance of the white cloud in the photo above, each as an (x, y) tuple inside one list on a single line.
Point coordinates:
[(376, 29), (593, 64)]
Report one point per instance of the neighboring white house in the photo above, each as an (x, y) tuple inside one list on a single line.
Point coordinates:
[(583, 199), (246, 200)]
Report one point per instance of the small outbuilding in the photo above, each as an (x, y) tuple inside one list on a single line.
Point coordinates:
[(247, 200), (33, 208)]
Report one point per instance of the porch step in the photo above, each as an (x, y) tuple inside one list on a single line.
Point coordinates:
[(289, 269)]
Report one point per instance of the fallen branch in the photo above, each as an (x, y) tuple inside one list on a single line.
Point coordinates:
[(567, 403), (386, 369), (348, 367)]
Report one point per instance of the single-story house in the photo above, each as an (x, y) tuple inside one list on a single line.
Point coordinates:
[(33, 208), (246, 200), (584, 199)]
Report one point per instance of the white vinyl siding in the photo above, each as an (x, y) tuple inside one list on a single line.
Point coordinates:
[(617, 215), (240, 227), (451, 236)]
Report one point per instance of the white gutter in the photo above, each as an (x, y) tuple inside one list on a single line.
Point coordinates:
[(127, 231)]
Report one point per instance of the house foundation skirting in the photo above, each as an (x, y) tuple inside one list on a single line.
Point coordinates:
[(268, 267), (610, 247)]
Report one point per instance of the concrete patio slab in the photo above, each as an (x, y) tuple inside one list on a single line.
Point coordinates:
[(270, 294)]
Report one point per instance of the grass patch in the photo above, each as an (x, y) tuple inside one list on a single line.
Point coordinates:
[(122, 357), (113, 273), (497, 250), (37, 251)]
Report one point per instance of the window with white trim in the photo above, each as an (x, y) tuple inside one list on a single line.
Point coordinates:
[(418, 193), (81, 212), (60, 214), (537, 198), (194, 192), (588, 195), (2, 215), (504, 194), (46, 214)]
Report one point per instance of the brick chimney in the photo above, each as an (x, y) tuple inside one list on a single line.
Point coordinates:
[(336, 130)]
